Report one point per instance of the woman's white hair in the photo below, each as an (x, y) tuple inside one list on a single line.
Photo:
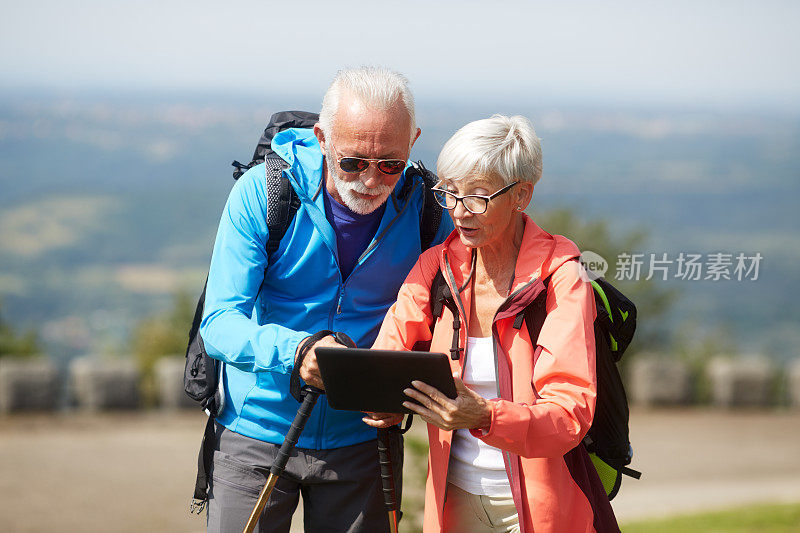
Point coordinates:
[(376, 87), (503, 146)]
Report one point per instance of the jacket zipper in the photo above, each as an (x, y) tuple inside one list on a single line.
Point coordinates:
[(386, 229), (372, 246), (506, 454), (460, 304), (337, 310)]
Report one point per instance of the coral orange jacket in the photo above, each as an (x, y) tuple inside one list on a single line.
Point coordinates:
[(546, 393)]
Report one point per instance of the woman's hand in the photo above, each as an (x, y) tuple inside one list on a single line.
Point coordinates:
[(468, 411), (382, 420)]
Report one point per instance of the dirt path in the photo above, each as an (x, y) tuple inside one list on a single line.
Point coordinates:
[(698, 460), (134, 472)]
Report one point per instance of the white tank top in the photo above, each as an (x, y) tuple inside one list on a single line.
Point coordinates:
[(475, 466)]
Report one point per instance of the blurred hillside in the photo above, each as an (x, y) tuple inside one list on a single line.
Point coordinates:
[(109, 204)]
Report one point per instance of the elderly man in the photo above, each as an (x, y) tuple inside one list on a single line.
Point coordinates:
[(346, 252)]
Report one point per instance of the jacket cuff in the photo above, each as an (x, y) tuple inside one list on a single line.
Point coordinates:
[(292, 343)]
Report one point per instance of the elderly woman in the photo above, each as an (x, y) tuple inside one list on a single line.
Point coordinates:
[(506, 454)]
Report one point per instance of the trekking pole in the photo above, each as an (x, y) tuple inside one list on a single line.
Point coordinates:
[(310, 395), (387, 477)]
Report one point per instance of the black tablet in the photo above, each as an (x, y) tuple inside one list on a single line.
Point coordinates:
[(357, 379)]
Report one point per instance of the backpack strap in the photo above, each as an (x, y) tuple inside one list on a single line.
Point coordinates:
[(282, 202), (534, 314), (440, 293), (442, 297), (205, 459), (431, 210)]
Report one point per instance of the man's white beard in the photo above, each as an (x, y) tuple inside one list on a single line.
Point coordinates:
[(347, 190)]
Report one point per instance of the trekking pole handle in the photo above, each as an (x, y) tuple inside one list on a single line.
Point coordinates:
[(310, 395), (387, 475)]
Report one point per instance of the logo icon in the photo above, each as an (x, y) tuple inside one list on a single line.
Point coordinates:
[(594, 266)]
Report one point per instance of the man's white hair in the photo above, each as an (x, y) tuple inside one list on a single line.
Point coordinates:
[(501, 145), (376, 87)]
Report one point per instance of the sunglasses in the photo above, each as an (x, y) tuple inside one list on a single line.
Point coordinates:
[(353, 165), (360, 164)]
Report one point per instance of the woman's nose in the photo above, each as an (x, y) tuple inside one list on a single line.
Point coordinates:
[(459, 211)]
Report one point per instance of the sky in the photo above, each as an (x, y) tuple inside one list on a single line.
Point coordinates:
[(680, 52)]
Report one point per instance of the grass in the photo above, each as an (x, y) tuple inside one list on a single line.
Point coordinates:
[(758, 518), (415, 470)]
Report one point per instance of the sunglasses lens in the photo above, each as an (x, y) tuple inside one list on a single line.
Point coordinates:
[(391, 166), (353, 164)]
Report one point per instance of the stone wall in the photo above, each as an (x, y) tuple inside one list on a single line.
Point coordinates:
[(99, 383), (28, 384), (655, 379), (742, 381), (169, 383)]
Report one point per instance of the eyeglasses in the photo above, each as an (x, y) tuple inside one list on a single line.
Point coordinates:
[(474, 203), (360, 164)]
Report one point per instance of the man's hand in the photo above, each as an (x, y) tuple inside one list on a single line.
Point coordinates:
[(309, 371)]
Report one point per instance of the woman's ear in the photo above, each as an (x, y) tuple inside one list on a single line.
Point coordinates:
[(524, 194)]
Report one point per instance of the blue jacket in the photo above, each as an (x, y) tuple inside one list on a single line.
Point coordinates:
[(256, 312)]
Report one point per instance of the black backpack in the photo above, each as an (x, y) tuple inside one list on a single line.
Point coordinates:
[(608, 440), (201, 373)]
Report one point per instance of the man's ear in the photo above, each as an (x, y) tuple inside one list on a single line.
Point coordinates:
[(419, 131), (320, 135)]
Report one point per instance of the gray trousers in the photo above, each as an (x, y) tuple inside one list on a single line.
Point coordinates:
[(341, 487)]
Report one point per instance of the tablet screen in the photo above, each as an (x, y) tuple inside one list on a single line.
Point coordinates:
[(358, 379)]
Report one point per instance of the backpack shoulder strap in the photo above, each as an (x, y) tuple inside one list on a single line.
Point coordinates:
[(442, 297), (431, 210), (534, 314), (282, 202)]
